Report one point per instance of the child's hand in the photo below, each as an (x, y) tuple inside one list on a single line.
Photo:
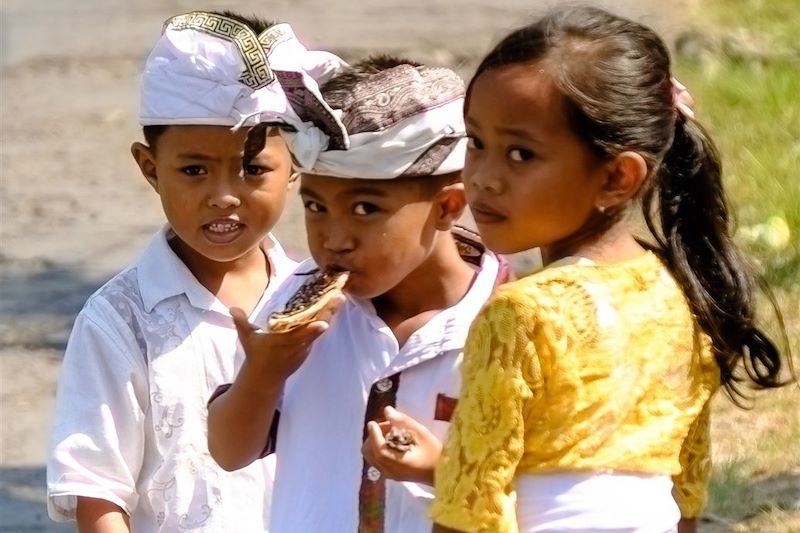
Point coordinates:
[(417, 463), (276, 356)]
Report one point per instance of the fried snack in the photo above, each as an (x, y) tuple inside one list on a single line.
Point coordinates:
[(400, 439), (310, 302)]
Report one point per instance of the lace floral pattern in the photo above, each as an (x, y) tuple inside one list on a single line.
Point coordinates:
[(691, 486), (578, 368)]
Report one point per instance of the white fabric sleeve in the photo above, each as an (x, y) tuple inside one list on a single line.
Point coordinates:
[(97, 443)]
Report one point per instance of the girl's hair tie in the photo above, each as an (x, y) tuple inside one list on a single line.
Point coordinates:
[(681, 99)]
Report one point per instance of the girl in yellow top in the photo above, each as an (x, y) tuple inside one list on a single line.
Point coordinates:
[(587, 385)]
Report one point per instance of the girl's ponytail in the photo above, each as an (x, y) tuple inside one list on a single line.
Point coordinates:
[(694, 235)]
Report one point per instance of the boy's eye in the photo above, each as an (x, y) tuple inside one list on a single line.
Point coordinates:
[(255, 170), (194, 170), (313, 206), (364, 208), (520, 154), (473, 143)]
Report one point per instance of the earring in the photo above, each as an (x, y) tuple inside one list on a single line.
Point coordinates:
[(601, 208)]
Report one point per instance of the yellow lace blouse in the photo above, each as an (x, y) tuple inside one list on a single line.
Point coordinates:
[(582, 367)]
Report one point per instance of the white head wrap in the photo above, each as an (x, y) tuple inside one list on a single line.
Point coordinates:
[(211, 69), (403, 121)]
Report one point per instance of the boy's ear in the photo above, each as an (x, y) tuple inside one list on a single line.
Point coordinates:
[(450, 203), (625, 175), (144, 157), (294, 177)]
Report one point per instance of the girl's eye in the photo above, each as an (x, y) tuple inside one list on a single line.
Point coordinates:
[(520, 154), (193, 170), (473, 143), (313, 206), (364, 208)]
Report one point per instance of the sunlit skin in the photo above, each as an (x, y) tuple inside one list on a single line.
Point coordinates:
[(100, 516), (219, 209), (392, 236), (530, 180)]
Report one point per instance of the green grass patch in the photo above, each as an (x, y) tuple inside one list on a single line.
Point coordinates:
[(735, 495), (752, 112), (730, 492), (749, 101), (776, 19)]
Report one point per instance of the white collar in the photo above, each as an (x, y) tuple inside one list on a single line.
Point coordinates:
[(447, 330), (161, 273)]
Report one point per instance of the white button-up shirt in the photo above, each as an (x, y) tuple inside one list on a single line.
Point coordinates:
[(319, 461), (145, 354)]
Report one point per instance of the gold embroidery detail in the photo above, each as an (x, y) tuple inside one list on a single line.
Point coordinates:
[(257, 73)]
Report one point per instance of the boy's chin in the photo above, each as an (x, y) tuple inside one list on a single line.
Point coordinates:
[(359, 292), (364, 291)]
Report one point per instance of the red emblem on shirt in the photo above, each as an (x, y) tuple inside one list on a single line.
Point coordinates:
[(445, 405)]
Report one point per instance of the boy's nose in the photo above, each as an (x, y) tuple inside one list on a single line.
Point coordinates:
[(224, 200), (224, 194), (338, 240)]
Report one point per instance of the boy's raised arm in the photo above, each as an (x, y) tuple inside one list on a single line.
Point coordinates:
[(239, 419)]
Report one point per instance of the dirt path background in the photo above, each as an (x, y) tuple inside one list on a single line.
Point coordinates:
[(73, 209)]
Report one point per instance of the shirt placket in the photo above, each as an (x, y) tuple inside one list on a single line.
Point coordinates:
[(372, 493)]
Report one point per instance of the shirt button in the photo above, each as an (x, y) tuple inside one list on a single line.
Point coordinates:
[(384, 385), (373, 474)]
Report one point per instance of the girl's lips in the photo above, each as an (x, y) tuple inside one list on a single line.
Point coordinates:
[(484, 214), (222, 231)]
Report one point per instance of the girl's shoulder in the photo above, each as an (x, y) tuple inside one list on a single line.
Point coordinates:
[(537, 298), (549, 284), (577, 274), (582, 290)]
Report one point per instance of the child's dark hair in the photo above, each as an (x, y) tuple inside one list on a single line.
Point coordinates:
[(615, 77), (257, 24)]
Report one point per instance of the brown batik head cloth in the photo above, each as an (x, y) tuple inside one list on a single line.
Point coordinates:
[(403, 121)]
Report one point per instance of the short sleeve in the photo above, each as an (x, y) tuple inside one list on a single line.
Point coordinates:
[(97, 442), (487, 438), (691, 485)]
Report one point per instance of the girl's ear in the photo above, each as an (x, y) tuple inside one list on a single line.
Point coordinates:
[(450, 203), (625, 175), (145, 158)]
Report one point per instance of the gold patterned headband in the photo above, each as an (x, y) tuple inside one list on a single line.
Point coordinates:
[(254, 49)]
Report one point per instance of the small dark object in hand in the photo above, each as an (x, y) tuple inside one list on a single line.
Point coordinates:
[(400, 439)]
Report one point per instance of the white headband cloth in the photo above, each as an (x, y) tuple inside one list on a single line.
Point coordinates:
[(403, 121), (211, 69)]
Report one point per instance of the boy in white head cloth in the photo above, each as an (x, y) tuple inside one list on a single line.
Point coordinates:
[(129, 440), (381, 189)]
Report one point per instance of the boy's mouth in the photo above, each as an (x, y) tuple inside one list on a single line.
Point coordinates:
[(337, 268), (222, 227), (222, 232)]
